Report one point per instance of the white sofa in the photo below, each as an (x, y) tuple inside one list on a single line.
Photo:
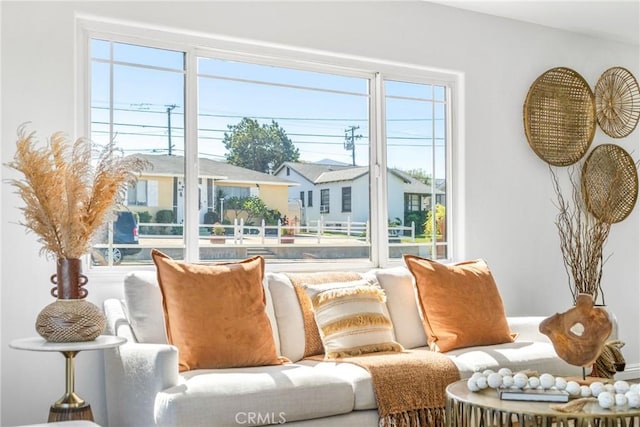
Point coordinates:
[(144, 387)]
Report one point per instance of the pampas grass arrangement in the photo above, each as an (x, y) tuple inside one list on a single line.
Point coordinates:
[(67, 197)]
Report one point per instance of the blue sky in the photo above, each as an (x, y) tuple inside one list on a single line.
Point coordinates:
[(315, 109)]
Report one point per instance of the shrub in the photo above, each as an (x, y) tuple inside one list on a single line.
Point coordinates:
[(164, 216)]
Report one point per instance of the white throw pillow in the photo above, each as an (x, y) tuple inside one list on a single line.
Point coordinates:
[(352, 318)]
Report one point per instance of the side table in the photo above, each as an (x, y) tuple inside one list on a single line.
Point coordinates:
[(484, 408), (70, 406)]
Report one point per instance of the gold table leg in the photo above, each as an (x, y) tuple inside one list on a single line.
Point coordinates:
[(70, 406)]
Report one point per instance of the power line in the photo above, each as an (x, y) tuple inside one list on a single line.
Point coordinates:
[(241, 116)]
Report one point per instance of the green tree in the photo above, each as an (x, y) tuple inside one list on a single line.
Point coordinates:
[(254, 146), (255, 208), (252, 206), (420, 174)]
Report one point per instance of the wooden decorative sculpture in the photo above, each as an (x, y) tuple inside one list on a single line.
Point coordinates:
[(579, 334)]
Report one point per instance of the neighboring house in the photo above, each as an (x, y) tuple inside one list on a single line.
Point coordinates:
[(341, 192), (161, 186)]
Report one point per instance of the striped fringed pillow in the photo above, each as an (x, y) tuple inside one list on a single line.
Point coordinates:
[(352, 318)]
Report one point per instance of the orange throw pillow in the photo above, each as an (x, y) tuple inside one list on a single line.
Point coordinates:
[(460, 303), (216, 314)]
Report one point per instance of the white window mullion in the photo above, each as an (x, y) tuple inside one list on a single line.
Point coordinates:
[(455, 170), (191, 168), (378, 175)]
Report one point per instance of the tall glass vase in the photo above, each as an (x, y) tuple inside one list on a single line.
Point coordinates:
[(71, 317)]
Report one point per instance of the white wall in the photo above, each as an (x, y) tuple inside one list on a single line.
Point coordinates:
[(500, 59)]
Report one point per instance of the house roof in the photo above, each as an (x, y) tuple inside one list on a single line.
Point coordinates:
[(323, 173), (312, 171), (344, 174), (164, 164)]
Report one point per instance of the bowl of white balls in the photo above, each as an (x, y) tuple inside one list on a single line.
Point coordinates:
[(618, 394)]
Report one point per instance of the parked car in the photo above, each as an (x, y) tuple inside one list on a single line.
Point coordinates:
[(125, 231)]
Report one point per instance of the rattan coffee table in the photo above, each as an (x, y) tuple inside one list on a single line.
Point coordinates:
[(468, 409)]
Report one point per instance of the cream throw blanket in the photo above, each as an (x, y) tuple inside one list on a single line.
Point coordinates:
[(409, 386)]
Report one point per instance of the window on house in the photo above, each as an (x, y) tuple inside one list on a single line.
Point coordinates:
[(137, 193), (324, 201), (346, 199), (413, 202), (326, 118)]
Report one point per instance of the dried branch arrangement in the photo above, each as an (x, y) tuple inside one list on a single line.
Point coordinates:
[(67, 198), (582, 238)]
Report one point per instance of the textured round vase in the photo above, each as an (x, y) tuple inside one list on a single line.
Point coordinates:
[(70, 318)]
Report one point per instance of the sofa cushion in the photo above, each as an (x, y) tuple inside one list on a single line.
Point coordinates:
[(352, 318), (402, 303), (358, 376), (144, 306), (518, 356), (460, 304), (226, 397), (216, 314), (288, 315)]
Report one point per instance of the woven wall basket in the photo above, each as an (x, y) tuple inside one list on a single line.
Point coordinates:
[(617, 102), (609, 183), (559, 116)]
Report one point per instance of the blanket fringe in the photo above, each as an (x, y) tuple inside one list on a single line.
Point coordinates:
[(425, 417)]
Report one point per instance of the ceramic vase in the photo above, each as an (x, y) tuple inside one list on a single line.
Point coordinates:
[(71, 317)]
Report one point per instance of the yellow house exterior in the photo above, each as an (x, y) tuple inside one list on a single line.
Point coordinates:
[(160, 188)]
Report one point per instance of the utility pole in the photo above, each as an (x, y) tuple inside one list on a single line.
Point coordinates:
[(169, 108), (350, 141)]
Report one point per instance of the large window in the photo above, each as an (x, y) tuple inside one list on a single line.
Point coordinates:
[(265, 133)]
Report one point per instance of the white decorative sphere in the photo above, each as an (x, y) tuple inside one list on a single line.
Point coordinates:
[(487, 372), (585, 391), (596, 388), (621, 399), (494, 380), (573, 388), (635, 387), (610, 388), (633, 400), (561, 383), (547, 381), (476, 375), (606, 399), (507, 381), (505, 371), (482, 382), (520, 380), (534, 382), (621, 386), (472, 385)]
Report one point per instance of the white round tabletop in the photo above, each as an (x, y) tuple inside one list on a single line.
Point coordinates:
[(40, 344)]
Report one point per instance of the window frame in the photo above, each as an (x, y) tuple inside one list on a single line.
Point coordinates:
[(195, 45), (345, 199), (325, 196)]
